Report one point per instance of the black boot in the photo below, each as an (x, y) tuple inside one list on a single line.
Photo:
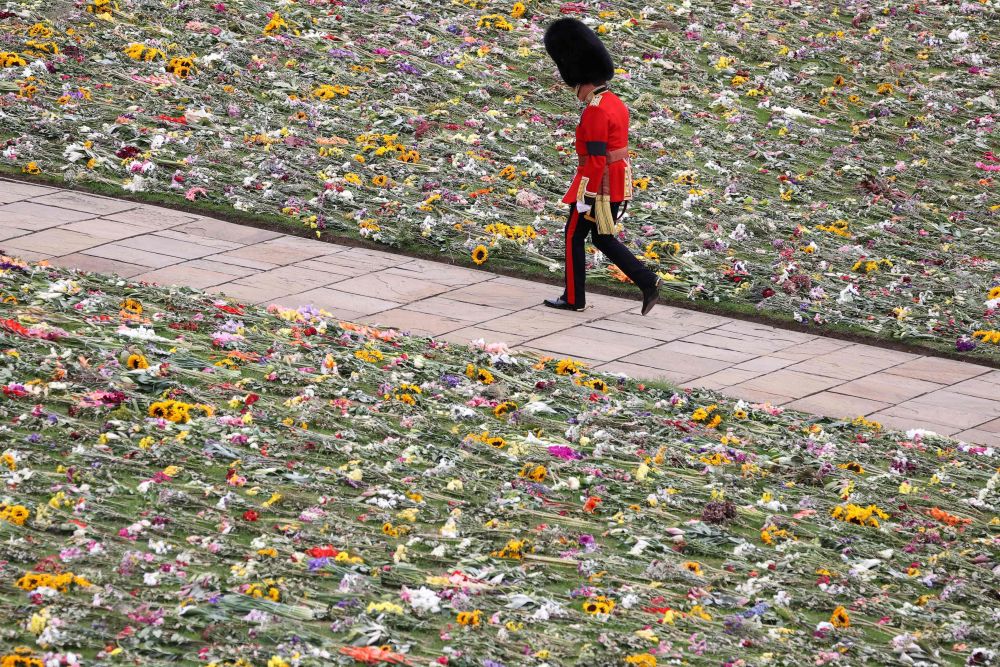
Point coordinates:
[(561, 304), (650, 295)]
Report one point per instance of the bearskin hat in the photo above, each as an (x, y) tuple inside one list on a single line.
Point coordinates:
[(578, 53)]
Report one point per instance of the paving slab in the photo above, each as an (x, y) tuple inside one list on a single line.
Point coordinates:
[(460, 310), (593, 343), (789, 383), (683, 365), (837, 406), (54, 242), (153, 218), (276, 294), (99, 265), (810, 349), (135, 256), (336, 301), (226, 231), (887, 387), (636, 324), (281, 251), (725, 340), (36, 217), (423, 324), (499, 295), (992, 426), (219, 245), (951, 417), (757, 330), (908, 422), (979, 437), (209, 264), (764, 364), (708, 351), (93, 205), (464, 336), (340, 263), (12, 233), (955, 408), (29, 255), (181, 249), (722, 379), (639, 372), (444, 274), (285, 280), (179, 274), (109, 230), (756, 396), (844, 364), (531, 322), (255, 265), (942, 371), (393, 287), (12, 191)]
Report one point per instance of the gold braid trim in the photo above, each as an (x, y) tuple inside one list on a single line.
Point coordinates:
[(581, 191), (605, 220)]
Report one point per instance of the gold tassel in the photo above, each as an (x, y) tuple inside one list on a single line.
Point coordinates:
[(605, 221)]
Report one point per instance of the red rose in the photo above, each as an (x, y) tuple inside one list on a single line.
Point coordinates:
[(250, 515), (768, 293)]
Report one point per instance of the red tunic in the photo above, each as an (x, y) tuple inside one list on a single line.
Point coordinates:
[(603, 129)]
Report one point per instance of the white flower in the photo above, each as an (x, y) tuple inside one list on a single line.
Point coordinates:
[(638, 548), (135, 184), (957, 35), (537, 407), (423, 600), (450, 528), (847, 294)]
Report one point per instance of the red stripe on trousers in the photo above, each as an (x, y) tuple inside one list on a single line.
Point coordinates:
[(570, 269)]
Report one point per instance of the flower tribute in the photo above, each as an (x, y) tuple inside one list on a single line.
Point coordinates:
[(276, 487)]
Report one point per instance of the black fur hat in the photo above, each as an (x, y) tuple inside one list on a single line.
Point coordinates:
[(578, 53)]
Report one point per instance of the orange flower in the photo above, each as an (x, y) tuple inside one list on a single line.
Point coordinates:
[(618, 274), (591, 504), (371, 655), (946, 518)]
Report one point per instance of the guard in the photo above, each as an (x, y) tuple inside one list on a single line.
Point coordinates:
[(602, 187)]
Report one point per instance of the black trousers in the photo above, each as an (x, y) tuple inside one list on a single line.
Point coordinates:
[(577, 229)]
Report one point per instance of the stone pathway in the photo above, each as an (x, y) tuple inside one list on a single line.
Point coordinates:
[(746, 360)]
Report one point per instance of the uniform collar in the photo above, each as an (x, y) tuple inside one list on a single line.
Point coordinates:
[(594, 93)]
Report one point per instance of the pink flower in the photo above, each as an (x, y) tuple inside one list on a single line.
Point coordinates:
[(563, 452)]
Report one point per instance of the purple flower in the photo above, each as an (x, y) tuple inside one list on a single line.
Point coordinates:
[(965, 344), (318, 563), (563, 452)]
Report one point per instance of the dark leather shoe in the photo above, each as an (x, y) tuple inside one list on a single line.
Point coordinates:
[(561, 304), (650, 295)]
